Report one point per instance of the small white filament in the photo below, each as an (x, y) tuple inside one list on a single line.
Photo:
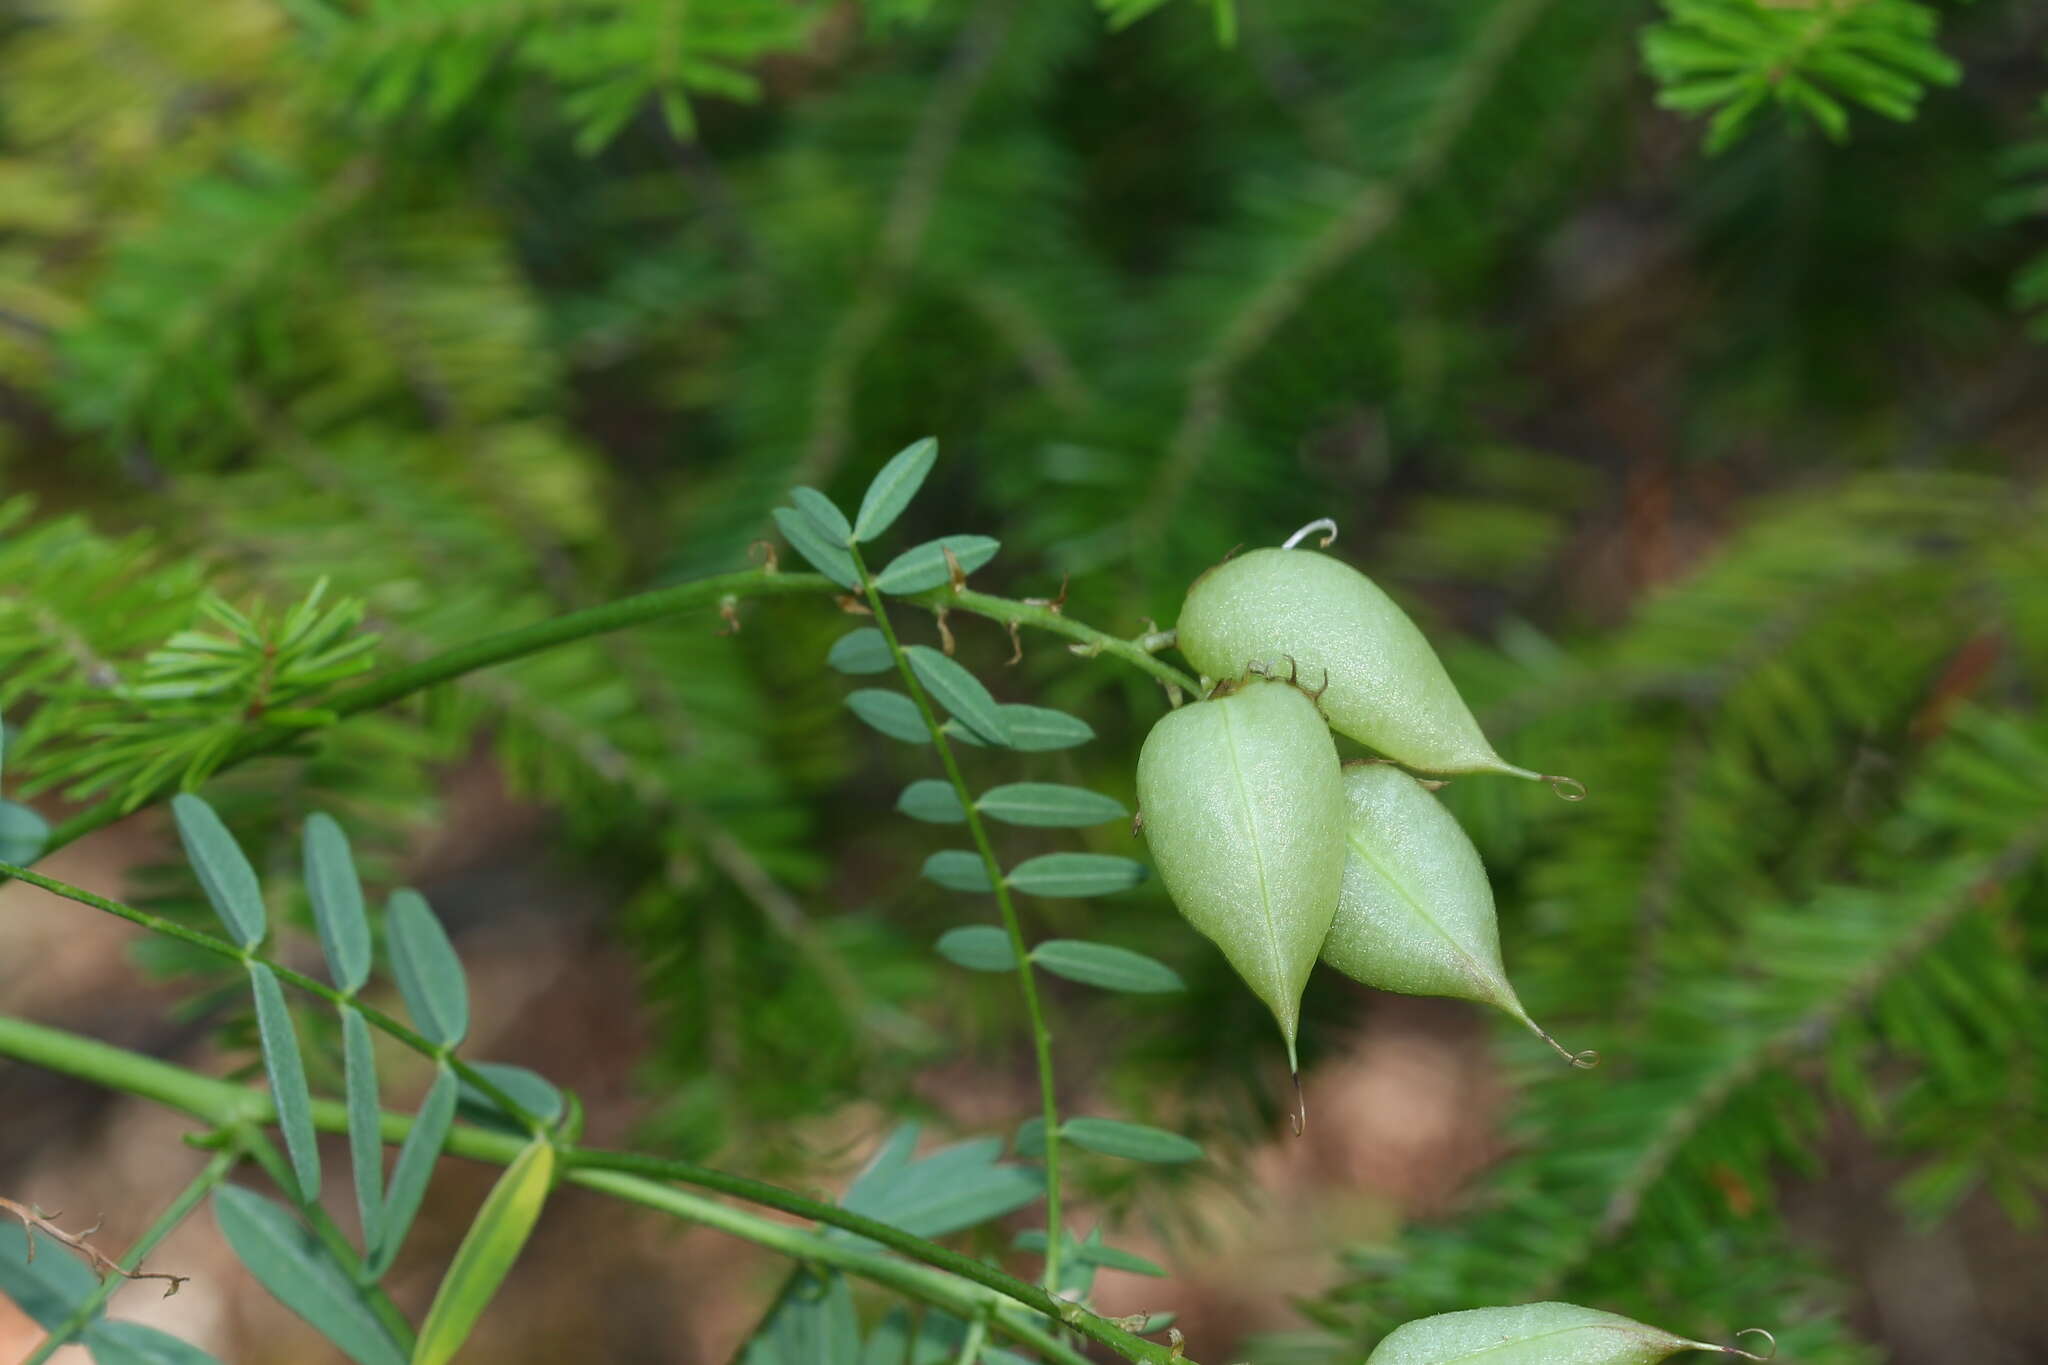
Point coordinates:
[(1323, 524)]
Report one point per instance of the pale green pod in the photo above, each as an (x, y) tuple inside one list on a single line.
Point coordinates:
[(1243, 805), (1415, 913), (1386, 687), (1534, 1334)]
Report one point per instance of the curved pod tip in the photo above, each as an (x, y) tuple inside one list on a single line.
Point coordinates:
[(1585, 1059), (1769, 1352), (1567, 788)]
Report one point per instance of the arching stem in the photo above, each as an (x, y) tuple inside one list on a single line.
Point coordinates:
[(1041, 1036)]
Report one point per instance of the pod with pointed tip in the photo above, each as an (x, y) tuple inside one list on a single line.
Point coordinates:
[(1415, 912), (1244, 811), (1386, 688), (1533, 1334)]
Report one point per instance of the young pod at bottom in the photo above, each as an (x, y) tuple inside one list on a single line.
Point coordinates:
[(1533, 1334), (1243, 805), (1415, 913)]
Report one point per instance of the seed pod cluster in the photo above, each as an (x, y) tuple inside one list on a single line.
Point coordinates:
[(1280, 855)]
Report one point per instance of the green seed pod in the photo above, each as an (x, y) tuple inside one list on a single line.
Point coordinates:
[(1416, 912), (1535, 1334), (1386, 686), (1243, 806)]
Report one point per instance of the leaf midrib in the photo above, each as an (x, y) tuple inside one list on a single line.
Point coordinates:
[(1258, 858)]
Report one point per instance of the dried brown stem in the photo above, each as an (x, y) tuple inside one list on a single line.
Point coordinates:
[(34, 1220)]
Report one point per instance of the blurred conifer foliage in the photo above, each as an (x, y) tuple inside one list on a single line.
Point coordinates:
[(1672, 360)]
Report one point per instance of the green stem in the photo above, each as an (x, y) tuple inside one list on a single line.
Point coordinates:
[(569, 627), (216, 1103), (1041, 1036), (181, 1208), (1048, 618), (913, 1281), (220, 947), (222, 1104), (970, 1349), (572, 626), (450, 664)]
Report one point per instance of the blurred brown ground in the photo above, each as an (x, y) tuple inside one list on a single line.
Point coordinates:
[(1401, 1121)]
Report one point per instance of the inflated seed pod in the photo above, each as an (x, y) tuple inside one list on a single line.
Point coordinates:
[(1535, 1334), (1415, 912), (1244, 809), (1386, 686)]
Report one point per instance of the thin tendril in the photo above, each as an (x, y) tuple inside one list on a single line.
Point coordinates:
[(1770, 1350), (1584, 1061), (1323, 524)]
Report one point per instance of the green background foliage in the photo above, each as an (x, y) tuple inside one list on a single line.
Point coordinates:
[(1670, 363)]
